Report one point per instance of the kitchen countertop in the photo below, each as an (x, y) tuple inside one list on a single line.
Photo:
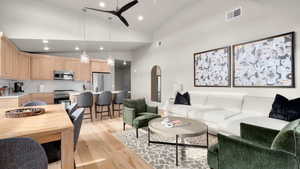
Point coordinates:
[(17, 95), (78, 93)]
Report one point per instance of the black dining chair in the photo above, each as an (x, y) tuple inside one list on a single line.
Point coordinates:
[(71, 108), (103, 100), (34, 103), (85, 100), (118, 101), (52, 149), (22, 153)]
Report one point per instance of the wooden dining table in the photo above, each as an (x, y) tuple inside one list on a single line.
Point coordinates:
[(53, 125)]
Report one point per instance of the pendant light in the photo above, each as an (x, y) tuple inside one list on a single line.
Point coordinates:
[(84, 58), (110, 60)]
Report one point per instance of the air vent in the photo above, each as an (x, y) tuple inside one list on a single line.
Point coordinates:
[(233, 14)]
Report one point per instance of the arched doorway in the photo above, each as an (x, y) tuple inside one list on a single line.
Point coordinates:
[(156, 84)]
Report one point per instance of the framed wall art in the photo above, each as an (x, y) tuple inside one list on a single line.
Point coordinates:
[(212, 68), (267, 62)]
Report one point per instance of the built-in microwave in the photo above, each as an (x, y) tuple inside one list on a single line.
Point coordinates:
[(63, 75)]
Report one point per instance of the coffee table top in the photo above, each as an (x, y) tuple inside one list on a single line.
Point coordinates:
[(188, 127)]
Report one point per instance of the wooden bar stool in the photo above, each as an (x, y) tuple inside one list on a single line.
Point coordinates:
[(119, 99), (85, 100), (104, 99)]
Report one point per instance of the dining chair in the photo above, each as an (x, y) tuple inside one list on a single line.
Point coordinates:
[(85, 100), (71, 108), (118, 101), (22, 153), (53, 149), (103, 100), (35, 103)]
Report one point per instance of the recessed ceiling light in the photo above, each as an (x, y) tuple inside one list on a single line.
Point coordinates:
[(101, 48), (124, 63), (102, 4), (140, 18), (45, 41), (77, 48), (46, 48)]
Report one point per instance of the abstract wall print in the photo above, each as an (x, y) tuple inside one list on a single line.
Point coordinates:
[(267, 62), (212, 68)]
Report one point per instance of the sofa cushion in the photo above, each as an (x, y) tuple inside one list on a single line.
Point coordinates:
[(232, 125), (231, 103), (257, 106), (217, 115), (286, 140), (198, 99), (142, 121)]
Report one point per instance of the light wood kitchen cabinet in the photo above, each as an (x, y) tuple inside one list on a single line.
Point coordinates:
[(18, 65), (8, 59), (41, 67), (74, 66), (23, 66), (100, 66), (85, 72), (59, 63), (7, 103), (45, 97)]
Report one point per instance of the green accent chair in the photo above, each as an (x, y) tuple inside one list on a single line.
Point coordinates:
[(137, 114), (257, 148)]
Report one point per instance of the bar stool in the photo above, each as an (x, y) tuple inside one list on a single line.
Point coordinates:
[(119, 99), (104, 99), (85, 100)]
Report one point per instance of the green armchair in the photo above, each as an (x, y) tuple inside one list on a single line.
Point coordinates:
[(137, 114), (257, 148)]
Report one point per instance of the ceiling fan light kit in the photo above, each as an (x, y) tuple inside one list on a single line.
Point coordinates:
[(118, 12)]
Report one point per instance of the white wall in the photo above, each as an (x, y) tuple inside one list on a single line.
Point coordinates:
[(35, 19), (201, 27)]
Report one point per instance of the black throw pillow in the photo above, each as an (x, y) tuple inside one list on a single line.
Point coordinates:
[(182, 98), (293, 110), (278, 108), (285, 109)]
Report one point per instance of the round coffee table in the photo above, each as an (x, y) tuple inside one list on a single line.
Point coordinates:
[(186, 128)]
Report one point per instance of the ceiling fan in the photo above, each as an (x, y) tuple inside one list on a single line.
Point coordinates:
[(118, 12)]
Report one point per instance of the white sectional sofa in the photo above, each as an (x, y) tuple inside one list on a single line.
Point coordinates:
[(223, 112)]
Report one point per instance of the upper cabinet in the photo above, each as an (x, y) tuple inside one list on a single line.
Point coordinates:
[(41, 67), (18, 65), (23, 65), (100, 66), (13, 61)]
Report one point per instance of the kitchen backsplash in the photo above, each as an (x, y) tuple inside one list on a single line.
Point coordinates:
[(31, 86)]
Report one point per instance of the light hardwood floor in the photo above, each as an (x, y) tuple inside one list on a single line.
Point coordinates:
[(99, 149)]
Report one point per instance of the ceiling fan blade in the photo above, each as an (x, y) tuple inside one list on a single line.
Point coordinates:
[(123, 20), (100, 10), (127, 6)]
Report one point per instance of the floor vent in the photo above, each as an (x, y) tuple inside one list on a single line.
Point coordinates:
[(233, 14)]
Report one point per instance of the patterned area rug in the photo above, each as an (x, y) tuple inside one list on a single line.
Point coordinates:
[(163, 156)]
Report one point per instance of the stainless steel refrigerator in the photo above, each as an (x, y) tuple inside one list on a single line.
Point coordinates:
[(102, 82)]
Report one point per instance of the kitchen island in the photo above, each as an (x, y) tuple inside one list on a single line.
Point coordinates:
[(74, 95)]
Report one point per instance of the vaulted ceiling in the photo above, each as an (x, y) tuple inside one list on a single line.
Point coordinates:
[(27, 22), (155, 12)]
